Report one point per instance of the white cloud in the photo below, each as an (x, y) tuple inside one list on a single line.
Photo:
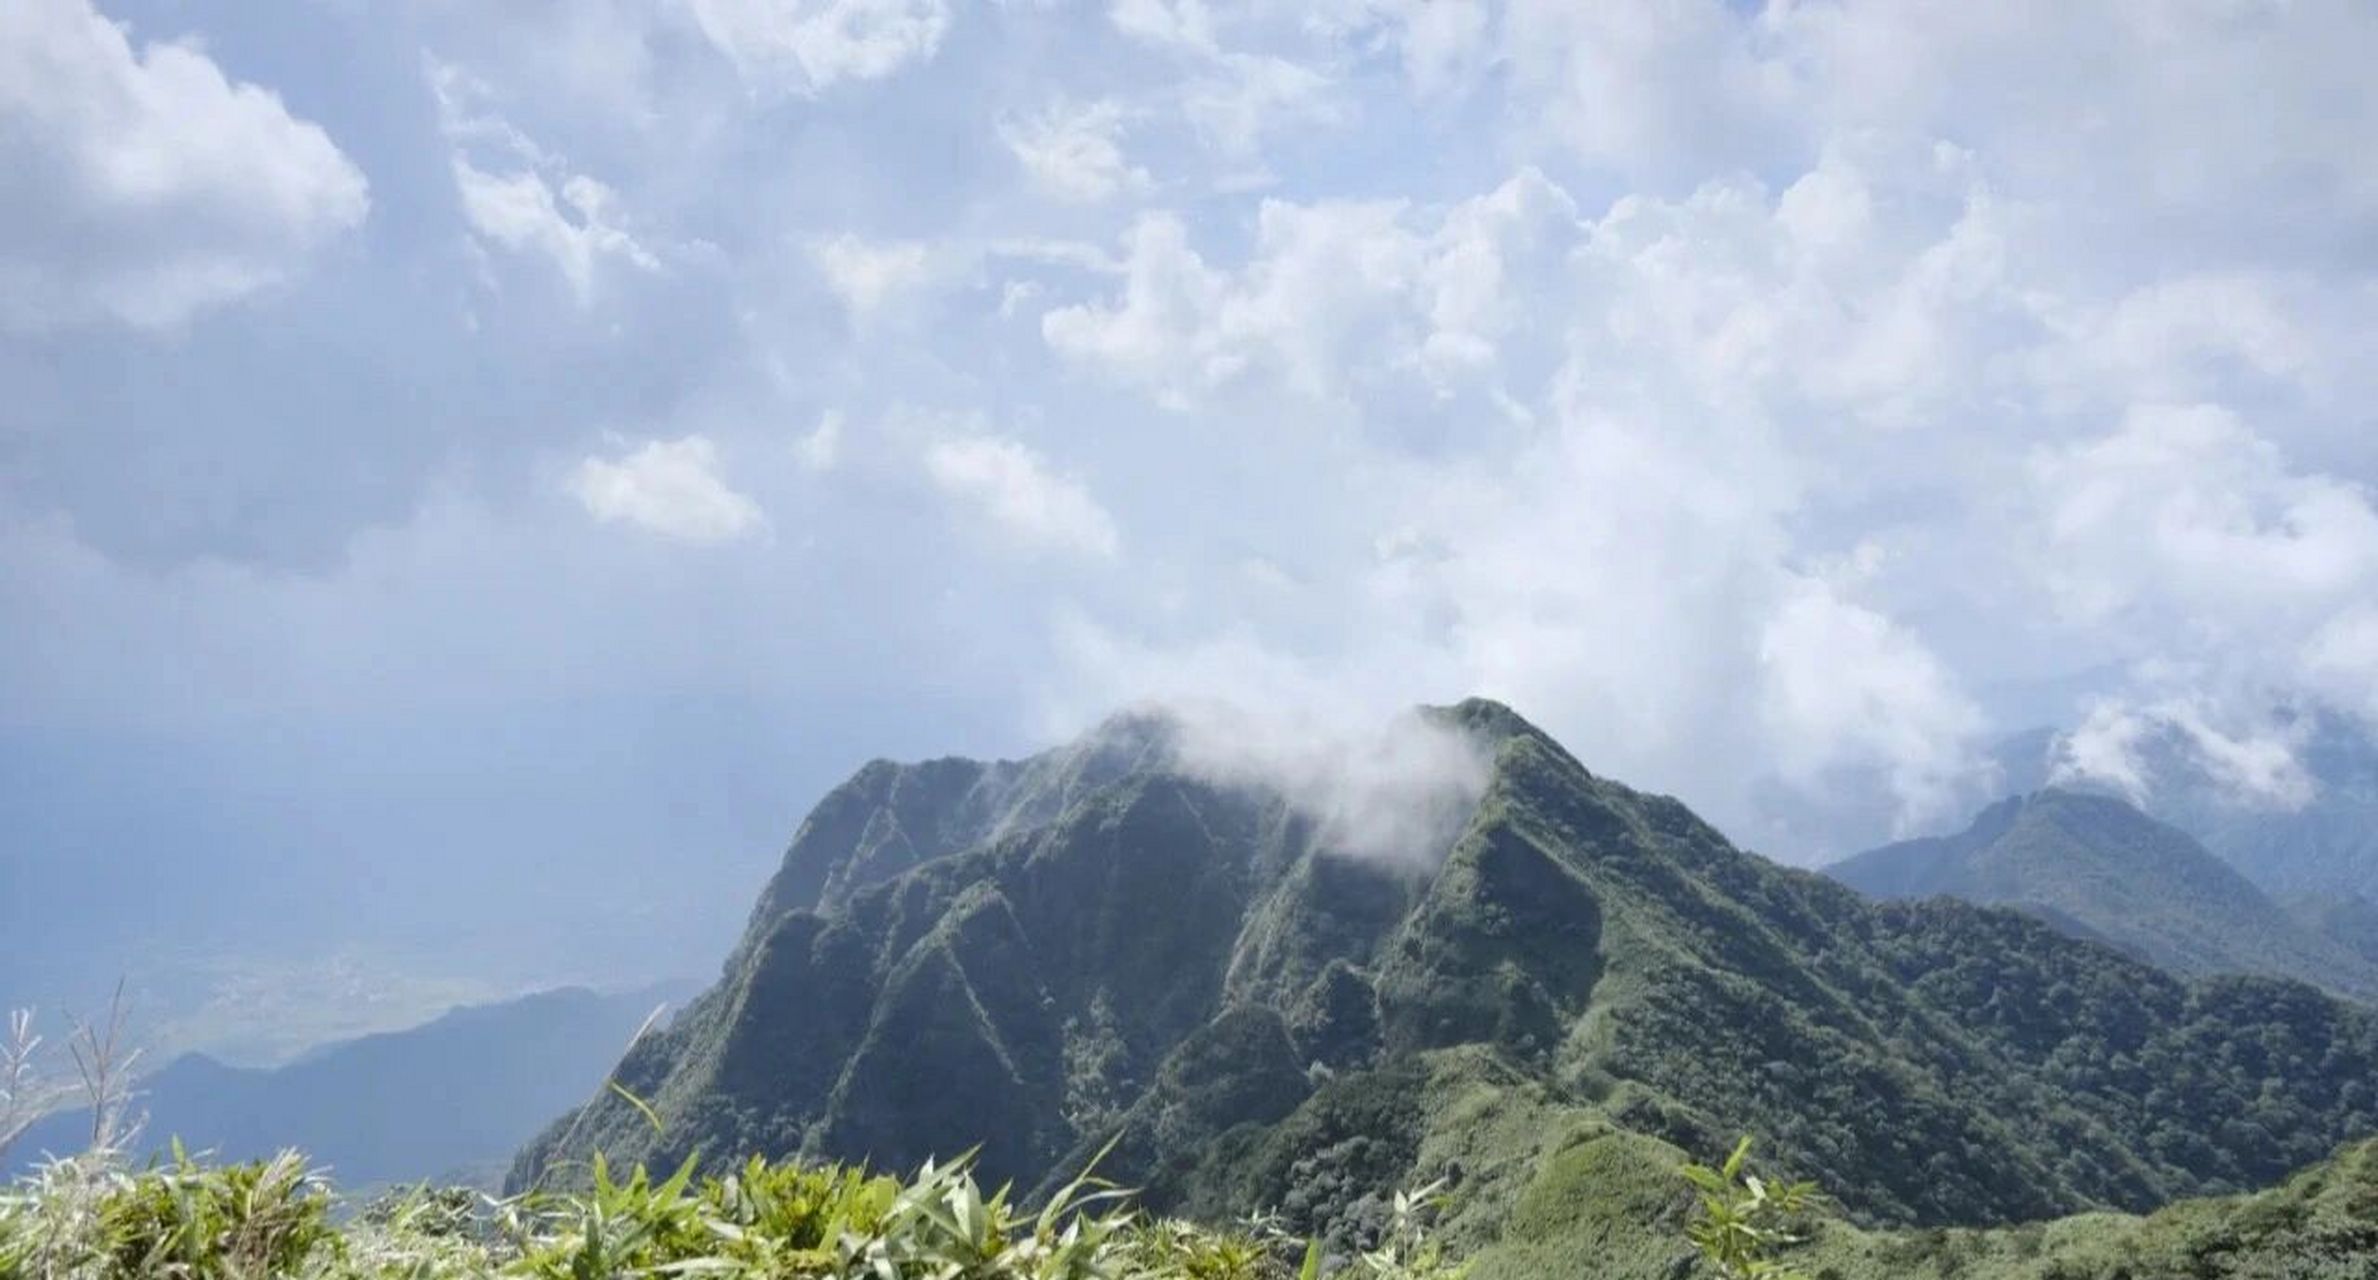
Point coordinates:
[(1184, 24), (867, 275), (570, 219), (1247, 96), (2139, 750), (145, 187), (809, 46), (1335, 296), (1842, 684), (1015, 490), (668, 487), (2185, 520), (576, 231), (819, 450), (2234, 583), (1073, 152)]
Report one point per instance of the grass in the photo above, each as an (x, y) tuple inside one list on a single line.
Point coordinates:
[(91, 1218)]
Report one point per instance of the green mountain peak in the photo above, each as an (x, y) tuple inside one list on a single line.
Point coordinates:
[(1192, 962), (2098, 868)]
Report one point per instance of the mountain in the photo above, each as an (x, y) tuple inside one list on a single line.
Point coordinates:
[(443, 1100), (1117, 944), (2097, 868), (1611, 1212), (2347, 919), (2321, 842)]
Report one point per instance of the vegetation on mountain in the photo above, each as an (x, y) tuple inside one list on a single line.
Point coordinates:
[(1103, 947), (90, 1218), (2097, 868), (1612, 1207), (2347, 919)]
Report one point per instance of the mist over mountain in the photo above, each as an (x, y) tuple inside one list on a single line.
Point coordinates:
[(2095, 867), (1106, 944), (2292, 805), (448, 1100)]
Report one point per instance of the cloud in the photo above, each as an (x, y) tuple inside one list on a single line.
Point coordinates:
[(1014, 489), (819, 450), (576, 231), (809, 46), (1073, 152), (1842, 684), (1185, 24), (2239, 583), (1397, 793), (868, 276), (2141, 750), (1336, 297), (570, 219), (2185, 517), (145, 187), (1776, 401), (668, 487)]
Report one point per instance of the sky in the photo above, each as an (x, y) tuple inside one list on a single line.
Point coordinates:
[(472, 475)]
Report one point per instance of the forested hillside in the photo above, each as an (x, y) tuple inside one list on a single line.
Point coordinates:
[(2097, 868), (1103, 946)]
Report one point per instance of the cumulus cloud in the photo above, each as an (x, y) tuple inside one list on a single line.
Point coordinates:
[(536, 205), (1773, 400), (2185, 520), (868, 276), (2242, 583), (1074, 152), (1336, 295), (575, 231), (1015, 491), (809, 46), (669, 487), (1841, 683), (146, 187)]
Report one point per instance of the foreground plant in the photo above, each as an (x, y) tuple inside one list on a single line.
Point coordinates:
[(94, 1219), (1744, 1221)]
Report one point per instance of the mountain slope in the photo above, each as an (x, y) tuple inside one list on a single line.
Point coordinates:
[(440, 1100), (1195, 972), (1608, 1205), (2097, 868), (2320, 843), (2347, 919)]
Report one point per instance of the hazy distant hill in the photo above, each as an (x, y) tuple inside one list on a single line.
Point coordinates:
[(2098, 868), (2325, 846), (445, 1098), (1101, 944), (2347, 919)]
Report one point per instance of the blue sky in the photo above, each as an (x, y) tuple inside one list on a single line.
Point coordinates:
[(472, 474)]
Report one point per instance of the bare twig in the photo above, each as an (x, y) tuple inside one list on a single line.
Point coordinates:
[(24, 1096), (105, 1064)]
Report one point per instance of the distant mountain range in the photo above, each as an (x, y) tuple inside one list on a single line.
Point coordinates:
[(1114, 944), (2096, 867), (2325, 846), (448, 1100)]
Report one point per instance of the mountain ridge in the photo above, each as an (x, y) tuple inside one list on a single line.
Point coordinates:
[(1189, 970), (450, 1097), (2101, 869)]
